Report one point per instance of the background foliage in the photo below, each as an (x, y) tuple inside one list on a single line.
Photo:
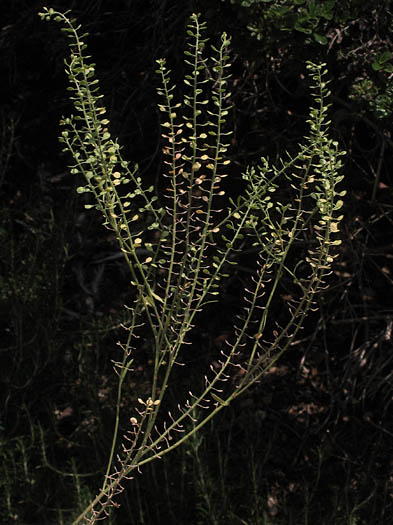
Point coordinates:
[(314, 441)]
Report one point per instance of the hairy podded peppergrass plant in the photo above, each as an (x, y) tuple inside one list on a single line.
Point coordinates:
[(179, 247)]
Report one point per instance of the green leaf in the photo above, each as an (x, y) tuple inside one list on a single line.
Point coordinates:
[(321, 39), (384, 56), (302, 29), (221, 401)]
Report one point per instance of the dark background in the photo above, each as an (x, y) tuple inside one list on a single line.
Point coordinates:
[(313, 442)]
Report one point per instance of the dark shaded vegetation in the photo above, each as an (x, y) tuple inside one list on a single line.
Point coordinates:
[(313, 443)]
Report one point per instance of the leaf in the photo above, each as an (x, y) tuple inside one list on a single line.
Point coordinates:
[(157, 297), (321, 39), (221, 401), (302, 29), (384, 56)]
